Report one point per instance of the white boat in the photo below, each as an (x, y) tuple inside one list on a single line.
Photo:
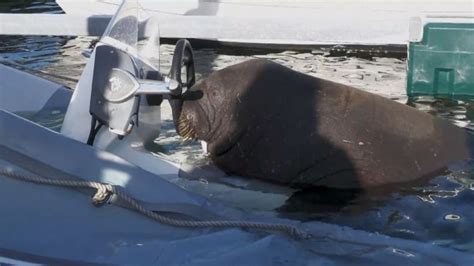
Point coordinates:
[(274, 23), (158, 222), (286, 23)]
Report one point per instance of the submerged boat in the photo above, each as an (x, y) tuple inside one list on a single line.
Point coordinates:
[(139, 214)]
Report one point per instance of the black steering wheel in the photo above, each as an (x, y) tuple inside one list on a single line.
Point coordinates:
[(183, 57)]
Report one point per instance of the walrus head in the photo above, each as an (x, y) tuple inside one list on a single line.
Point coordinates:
[(213, 109), (203, 112)]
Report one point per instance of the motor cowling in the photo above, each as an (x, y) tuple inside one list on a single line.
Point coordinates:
[(125, 88)]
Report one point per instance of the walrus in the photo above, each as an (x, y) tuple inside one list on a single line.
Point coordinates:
[(263, 120)]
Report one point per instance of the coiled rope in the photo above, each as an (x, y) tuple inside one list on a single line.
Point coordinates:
[(104, 191)]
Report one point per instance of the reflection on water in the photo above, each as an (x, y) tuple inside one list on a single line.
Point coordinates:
[(440, 212), (29, 6), (33, 51), (458, 111)]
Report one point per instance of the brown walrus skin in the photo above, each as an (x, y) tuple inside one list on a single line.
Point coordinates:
[(266, 121)]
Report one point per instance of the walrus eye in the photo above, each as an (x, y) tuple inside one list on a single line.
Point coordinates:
[(216, 95)]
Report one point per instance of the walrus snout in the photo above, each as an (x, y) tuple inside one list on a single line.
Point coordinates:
[(181, 122), (192, 119)]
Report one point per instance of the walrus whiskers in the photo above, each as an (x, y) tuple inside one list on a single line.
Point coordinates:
[(185, 129)]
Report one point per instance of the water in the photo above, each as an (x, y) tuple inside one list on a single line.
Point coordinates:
[(440, 212)]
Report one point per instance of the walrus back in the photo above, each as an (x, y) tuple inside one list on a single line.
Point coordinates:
[(385, 141)]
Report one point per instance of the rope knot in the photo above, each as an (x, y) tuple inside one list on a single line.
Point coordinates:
[(102, 195)]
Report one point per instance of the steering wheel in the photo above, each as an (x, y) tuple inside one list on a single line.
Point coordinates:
[(183, 57)]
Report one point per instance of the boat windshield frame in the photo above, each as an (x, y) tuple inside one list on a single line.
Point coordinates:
[(135, 32)]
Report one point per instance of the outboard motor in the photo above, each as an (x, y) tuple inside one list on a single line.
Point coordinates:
[(121, 81), (121, 89)]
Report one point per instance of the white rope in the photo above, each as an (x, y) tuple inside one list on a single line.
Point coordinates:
[(104, 191)]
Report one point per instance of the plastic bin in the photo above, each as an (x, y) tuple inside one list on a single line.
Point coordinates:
[(442, 62)]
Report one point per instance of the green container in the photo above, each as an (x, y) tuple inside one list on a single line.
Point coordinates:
[(442, 64)]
